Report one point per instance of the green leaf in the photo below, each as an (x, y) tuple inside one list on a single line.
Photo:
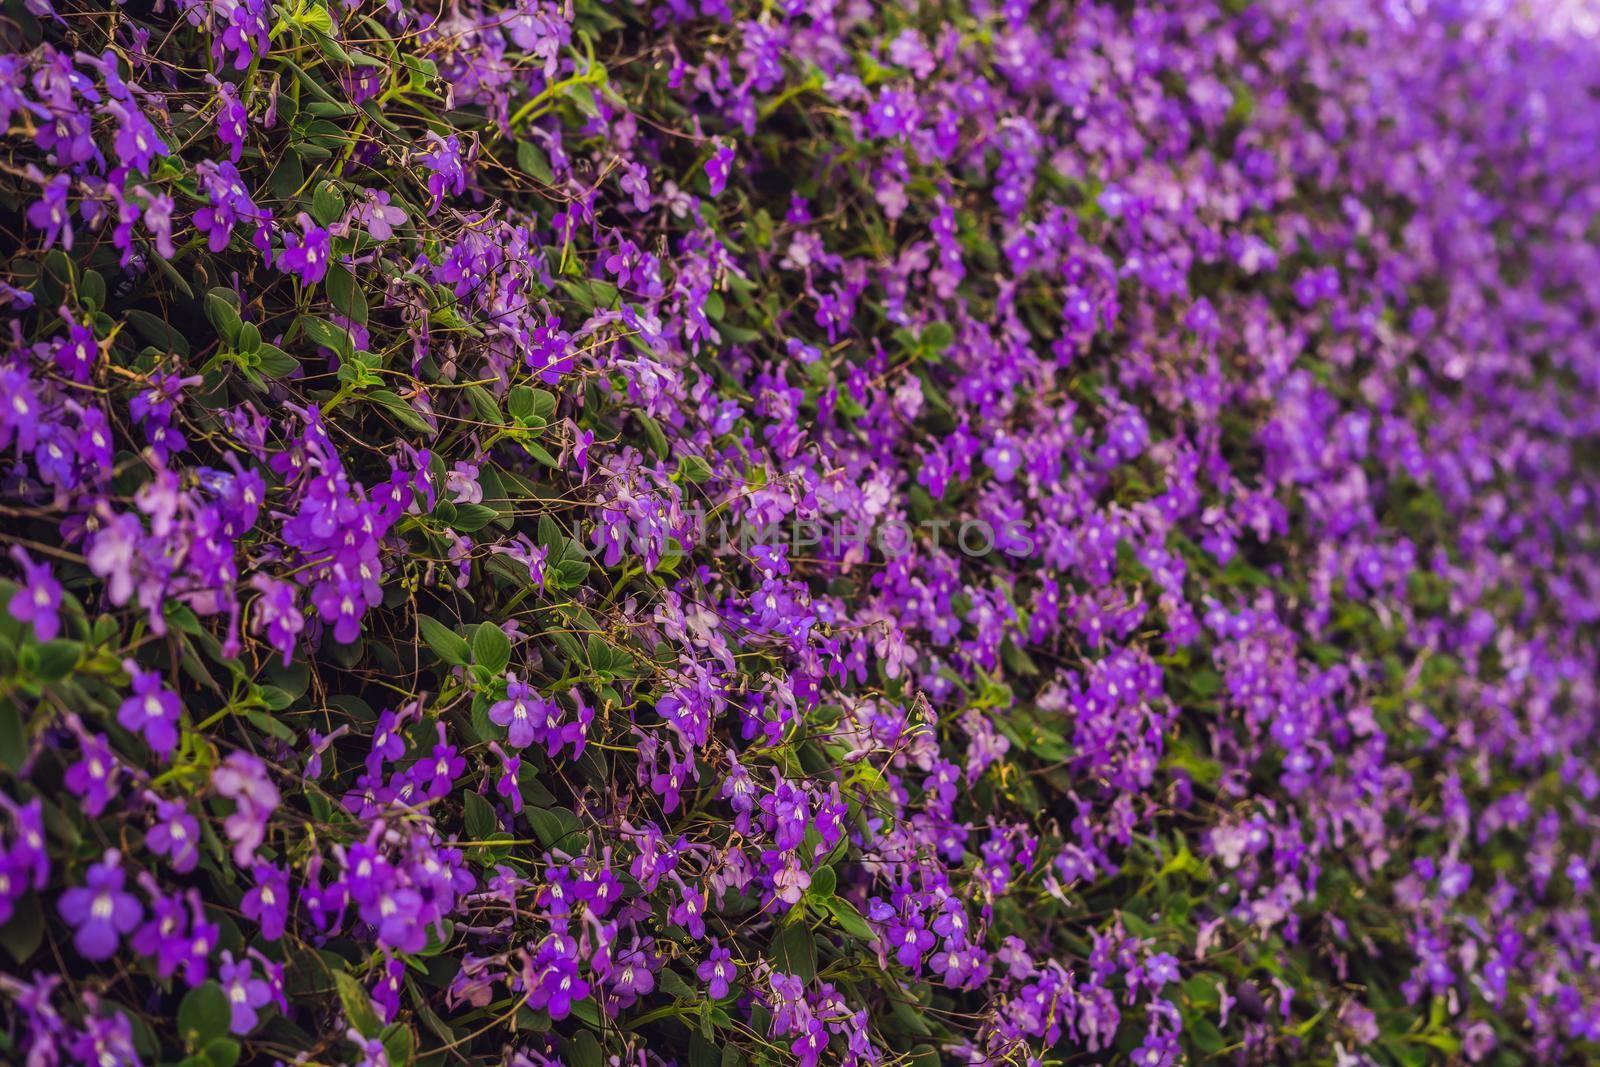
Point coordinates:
[(702, 1051), (325, 334), (272, 361), (357, 1004), (287, 177), (327, 203), (223, 311), (203, 1015), (795, 952), (408, 415), (470, 518), (448, 644), (345, 295), (480, 819), (158, 332), (399, 1044), (264, 722), (695, 468), (249, 340), (23, 933), (553, 825), (849, 919), (491, 648), (569, 574), (531, 161), (652, 431), (822, 884), (13, 735), (584, 1051), (92, 289), (56, 659), (672, 983), (221, 1052)]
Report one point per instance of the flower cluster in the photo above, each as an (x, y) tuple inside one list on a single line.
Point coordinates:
[(370, 691)]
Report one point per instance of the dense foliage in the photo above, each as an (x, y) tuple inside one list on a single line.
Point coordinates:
[(802, 531)]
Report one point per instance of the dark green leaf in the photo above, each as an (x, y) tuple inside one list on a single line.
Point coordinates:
[(221, 1052), (470, 518), (23, 933), (795, 952), (448, 644), (327, 203), (491, 648), (584, 1051), (56, 659), (357, 1003), (480, 819), (345, 294), (203, 1015)]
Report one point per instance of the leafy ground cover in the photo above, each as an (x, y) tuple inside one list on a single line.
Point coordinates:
[(801, 531)]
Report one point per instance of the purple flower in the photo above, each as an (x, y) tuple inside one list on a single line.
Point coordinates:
[(909, 940), (717, 970), (39, 600), (369, 1050), (228, 203), (435, 773), (93, 778), (521, 712), (168, 937), (1161, 969), (243, 778), (51, 214), (137, 142), (447, 169), (233, 121), (378, 215), (306, 253), (276, 613), (175, 834), (75, 353), (152, 710), (718, 167), (27, 854), (106, 1038), (240, 31), (158, 221), (246, 993), (267, 902), (100, 909), (556, 985), (343, 603), (506, 787)]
